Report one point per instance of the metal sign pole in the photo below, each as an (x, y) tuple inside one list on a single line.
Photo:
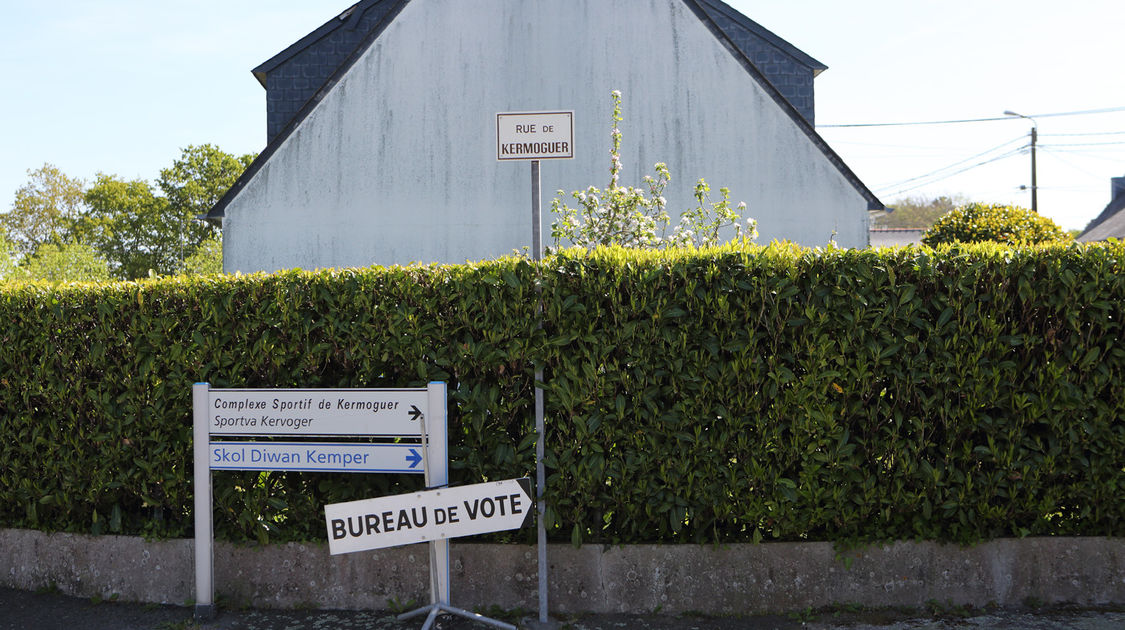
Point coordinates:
[(535, 136), (536, 214), (204, 547), (540, 431)]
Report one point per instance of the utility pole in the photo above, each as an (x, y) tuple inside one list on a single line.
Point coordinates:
[(1034, 139)]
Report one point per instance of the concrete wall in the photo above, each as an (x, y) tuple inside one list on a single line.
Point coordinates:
[(733, 579), (397, 162)]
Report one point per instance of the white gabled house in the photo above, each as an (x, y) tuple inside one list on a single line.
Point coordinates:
[(382, 137)]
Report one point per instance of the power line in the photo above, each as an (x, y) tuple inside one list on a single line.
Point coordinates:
[(1105, 155), (906, 124), (957, 172), (974, 120), (957, 163), (1088, 133), (1084, 144)]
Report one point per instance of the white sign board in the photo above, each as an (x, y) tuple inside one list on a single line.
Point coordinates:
[(427, 516), (359, 413), (535, 136), (374, 412), (317, 457)]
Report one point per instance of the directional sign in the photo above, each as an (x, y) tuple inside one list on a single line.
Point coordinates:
[(535, 136), (316, 457), (427, 516), (376, 412)]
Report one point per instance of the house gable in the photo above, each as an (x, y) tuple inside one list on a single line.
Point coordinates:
[(393, 159), (293, 76)]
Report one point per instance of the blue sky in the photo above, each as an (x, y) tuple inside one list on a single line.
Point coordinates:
[(120, 86)]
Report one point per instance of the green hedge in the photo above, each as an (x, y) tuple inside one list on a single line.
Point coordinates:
[(727, 395)]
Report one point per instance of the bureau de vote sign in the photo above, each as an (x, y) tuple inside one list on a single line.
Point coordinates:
[(427, 516)]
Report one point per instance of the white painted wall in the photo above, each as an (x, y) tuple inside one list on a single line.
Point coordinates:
[(397, 163)]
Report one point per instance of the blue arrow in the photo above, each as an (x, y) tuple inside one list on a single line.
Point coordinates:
[(414, 458)]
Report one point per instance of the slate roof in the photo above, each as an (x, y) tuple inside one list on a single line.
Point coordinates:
[(310, 67), (299, 71), (1110, 223)]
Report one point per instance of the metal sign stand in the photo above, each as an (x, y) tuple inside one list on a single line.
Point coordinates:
[(435, 468), (439, 554)]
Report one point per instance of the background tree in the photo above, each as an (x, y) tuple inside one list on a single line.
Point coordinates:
[(917, 212), (207, 259), (979, 222), (71, 262), (43, 210), (192, 185), (135, 227), (8, 258), (131, 227)]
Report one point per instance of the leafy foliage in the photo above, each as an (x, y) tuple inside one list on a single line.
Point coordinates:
[(729, 394), (139, 229), (207, 259), (43, 209), (8, 260), (193, 185), (631, 217), (979, 222), (130, 225), (917, 212), (70, 262)]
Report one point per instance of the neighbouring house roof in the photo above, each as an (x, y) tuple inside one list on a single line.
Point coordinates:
[(1109, 224), (892, 237), (335, 46), (740, 26)]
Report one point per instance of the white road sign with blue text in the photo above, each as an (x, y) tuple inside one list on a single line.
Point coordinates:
[(317, 457)]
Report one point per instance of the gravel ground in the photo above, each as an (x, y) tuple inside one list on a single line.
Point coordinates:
[(23, 610)]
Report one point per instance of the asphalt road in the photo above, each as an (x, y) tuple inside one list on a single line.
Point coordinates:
[(23, 610)]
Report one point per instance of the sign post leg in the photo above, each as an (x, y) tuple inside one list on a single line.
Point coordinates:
[(438, 449), (204, 551), (435, 453)]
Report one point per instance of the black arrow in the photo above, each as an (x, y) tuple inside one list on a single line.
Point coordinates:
[(415, 413)]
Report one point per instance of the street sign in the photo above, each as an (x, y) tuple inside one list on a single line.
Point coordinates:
[(374, 412), (317, 457), (427, 516), (416, 418), (535, 136)]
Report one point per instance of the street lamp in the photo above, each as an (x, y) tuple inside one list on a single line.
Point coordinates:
[(1034, 137)]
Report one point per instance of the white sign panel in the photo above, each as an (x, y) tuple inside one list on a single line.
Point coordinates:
[(427, 516), (535, 136), (376, 412), (317, 457)]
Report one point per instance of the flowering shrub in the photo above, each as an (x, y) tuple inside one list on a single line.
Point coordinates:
[(978, 222), (638, 218)]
